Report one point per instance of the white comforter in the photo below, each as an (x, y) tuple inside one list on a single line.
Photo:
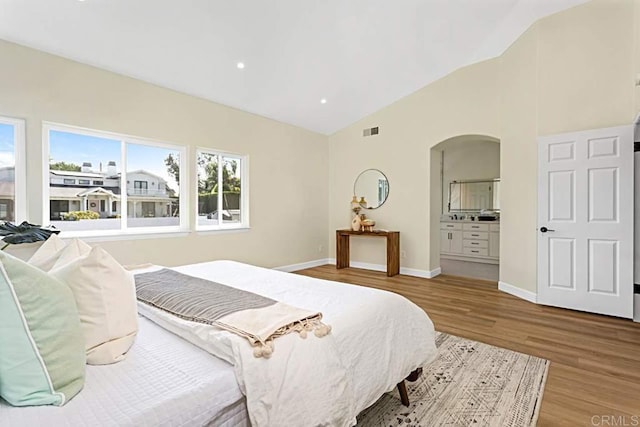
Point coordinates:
[(377, 339)]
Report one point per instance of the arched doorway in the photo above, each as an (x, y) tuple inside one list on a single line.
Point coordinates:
[(465, 195)]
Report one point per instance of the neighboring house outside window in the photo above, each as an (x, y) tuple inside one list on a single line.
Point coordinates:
[(147, 188), (65, 196), (140, 187), (154, 203)]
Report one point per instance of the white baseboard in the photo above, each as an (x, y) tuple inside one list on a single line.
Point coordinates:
[(636, 308), (517, 292), (303, 265), (426, 274), (363, 265), (403, 270)]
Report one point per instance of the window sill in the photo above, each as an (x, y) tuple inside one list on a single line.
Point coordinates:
[(146, 234), (123, 235), (226, 230)]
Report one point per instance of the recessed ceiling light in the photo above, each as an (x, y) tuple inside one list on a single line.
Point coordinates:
[(240, 65), (323, 101)]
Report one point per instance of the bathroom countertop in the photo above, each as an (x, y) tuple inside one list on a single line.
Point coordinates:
[(469, 221)]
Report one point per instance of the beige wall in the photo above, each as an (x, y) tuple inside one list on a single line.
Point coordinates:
[(570, 71), (586, 67), (465, 102), (518, 161), (288, 165)]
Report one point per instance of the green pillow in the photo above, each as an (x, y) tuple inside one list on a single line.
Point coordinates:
[(42, 355)]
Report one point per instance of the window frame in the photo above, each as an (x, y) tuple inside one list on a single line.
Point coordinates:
[(20, 168), (124, 139), (244, 191), (140, 187)]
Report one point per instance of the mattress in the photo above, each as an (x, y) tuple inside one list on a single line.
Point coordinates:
[(164, 381)]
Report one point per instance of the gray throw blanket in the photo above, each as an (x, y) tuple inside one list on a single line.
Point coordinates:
[(257, 318)]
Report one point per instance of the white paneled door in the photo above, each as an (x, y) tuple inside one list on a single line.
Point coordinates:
[(585, 221)]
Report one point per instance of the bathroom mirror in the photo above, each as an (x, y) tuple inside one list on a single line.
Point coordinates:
[(371, 189), (471, 196)]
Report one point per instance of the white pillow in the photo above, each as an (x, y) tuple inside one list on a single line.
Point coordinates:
[(74, 250), (47, 254), (105, 296)]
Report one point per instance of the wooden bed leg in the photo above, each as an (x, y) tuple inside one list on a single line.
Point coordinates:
[(402, 387), (404, 396)]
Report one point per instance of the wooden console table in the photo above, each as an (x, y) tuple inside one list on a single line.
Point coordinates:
[(393, 248)]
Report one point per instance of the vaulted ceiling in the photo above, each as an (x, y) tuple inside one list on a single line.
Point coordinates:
[(356, 55)]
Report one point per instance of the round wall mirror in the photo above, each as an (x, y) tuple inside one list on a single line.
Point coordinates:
[(371, 189)]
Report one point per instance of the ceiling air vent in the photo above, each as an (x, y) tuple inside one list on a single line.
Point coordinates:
[(370, 131)]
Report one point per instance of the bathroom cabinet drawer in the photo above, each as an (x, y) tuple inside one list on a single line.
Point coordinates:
[(450, 226), (476, 244), (475, 227), (476, 251), (475, 235)]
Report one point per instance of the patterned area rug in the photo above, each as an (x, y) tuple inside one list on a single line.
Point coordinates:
[(470, 383)]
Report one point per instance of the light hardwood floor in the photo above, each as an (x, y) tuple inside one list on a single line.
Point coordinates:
[(595, 360)]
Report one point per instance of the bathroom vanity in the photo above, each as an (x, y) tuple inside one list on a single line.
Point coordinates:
[(474, 241)]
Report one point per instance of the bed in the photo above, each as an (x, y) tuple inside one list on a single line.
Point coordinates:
[(164, 381), (378, 338)]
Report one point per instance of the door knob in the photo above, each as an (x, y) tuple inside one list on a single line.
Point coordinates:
[(545, 229)]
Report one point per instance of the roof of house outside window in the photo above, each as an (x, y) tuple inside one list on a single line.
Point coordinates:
[(83, 174)]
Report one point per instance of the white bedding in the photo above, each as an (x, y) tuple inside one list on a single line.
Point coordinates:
[(377, 339), (164, 381)]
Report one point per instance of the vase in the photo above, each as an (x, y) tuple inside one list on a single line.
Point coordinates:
[(356, 223)]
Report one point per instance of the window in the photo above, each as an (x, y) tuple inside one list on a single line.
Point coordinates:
[(12, 170), (140, 185), (151, 204), (107, 206), (59, 208), (222, 191)]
